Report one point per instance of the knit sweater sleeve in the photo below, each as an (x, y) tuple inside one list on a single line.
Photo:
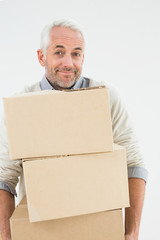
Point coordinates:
[(10, 170), (124, 135)]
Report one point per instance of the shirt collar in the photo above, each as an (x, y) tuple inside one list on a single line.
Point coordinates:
[(45, 85)]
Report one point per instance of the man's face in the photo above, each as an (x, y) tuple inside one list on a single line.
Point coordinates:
[(64, 58)]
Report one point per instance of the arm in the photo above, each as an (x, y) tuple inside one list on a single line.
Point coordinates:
[(123, 134), (10, 170), (133, 213), (7, 205)]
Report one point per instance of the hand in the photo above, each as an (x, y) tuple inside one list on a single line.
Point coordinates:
[(130, 237), (5, 238)]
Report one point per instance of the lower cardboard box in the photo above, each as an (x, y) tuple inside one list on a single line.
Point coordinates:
[(107, 225)]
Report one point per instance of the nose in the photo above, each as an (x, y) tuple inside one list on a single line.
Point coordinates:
[(67, 61)]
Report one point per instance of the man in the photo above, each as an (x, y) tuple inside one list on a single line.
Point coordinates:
[(62, 55)]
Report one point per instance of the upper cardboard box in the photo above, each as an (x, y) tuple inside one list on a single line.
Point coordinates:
[(98, 226), (58, 187), (49, 123)]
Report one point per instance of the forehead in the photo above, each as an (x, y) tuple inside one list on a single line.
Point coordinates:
[(66, 37)]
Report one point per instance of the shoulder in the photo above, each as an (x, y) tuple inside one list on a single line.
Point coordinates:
[(32, 88), (114, 95)]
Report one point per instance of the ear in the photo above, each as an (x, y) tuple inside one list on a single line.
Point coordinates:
[(41, 57), (83, 58)]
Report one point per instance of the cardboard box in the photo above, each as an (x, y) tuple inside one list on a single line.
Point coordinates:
[(59, 187), (97, 226), (49, 123)]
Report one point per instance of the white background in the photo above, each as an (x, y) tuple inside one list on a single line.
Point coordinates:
[(122, 48)]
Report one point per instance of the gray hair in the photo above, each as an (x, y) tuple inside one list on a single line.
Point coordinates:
[(45, 35)]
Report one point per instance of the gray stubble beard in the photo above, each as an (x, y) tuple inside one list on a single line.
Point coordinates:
[(57, 82)]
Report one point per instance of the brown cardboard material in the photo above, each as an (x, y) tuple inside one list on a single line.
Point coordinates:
[(59, 187), (96, 226), (49, 123)]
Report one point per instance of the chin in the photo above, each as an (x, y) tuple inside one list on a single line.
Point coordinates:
[(69, 85)]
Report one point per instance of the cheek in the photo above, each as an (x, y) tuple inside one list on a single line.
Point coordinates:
[(78, 64), (53, 65), (52, 62)]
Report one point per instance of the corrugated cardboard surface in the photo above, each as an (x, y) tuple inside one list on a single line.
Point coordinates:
[(49, 123), (97, 226), (61, 187)]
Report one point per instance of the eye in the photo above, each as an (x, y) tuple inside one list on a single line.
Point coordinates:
[(76, 54), (58, 53)]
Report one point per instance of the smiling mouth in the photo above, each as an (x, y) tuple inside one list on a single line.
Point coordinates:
[(66, 72)]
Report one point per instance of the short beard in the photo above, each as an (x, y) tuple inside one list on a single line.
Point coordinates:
[(57, 83)]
